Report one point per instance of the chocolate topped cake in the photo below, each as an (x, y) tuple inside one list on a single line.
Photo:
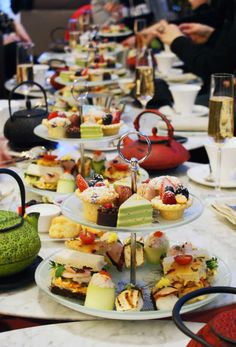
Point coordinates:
[(73, 132), (107, 216)]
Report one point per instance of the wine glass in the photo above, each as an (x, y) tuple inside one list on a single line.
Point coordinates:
[(144, 82), (24, 66), (221, 116), (74, 33)]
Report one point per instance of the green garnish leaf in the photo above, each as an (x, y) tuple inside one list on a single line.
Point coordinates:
[(59, 269), (212, 263)]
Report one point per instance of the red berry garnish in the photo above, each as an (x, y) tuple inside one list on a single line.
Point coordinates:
[(165, 182), (158, 233), (168, 198), (108, 205), (84, 72), (52, 115), (81, 183), (99, 184), (146, 181), (103, 272)]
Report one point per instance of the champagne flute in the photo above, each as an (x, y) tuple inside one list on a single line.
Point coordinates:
[(221, 116), (144, 83)]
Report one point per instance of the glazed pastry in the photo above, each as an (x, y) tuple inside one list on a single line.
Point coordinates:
[(155, 247), (101, 292), (147, 191), (124, 193), (130, 299), (116, 169)]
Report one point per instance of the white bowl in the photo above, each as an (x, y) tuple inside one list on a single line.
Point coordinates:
[(47, 213)]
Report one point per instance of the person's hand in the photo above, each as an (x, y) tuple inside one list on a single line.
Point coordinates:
[(10, 38), (167, 33), (21, 32), (199, 33)]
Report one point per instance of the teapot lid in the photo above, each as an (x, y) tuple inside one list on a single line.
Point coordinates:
[(155, 138)]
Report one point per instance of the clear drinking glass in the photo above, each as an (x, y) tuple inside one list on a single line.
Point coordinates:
[(221, 115), (24, 62), (144, 81), (139, 25), (74, 33)]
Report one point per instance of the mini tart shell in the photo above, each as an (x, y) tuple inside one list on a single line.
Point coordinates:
[(170, 212), (111, 129)]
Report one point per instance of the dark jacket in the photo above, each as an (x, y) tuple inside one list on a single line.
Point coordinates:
[(218, 55)]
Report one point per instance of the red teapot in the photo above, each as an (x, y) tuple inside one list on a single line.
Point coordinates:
[(166, 152)]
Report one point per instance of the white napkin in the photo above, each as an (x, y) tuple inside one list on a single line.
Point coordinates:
[(183, 123), (223, 209)]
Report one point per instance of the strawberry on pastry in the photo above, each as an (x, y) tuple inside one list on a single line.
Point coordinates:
[(81, 183)]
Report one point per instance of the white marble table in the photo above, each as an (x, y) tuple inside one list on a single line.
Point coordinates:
[(100, 334), (209, 231)]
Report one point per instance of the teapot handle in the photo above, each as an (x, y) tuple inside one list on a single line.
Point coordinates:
[(170, 128), (22, 194), (196, 293), (26, 83), (55, 60)]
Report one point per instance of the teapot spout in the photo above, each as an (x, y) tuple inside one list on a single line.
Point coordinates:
[(33, 219)]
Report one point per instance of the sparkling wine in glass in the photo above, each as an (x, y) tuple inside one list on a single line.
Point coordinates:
[(144, 82), (221, 115)]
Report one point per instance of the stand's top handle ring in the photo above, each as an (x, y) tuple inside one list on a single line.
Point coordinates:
[(139, 134)]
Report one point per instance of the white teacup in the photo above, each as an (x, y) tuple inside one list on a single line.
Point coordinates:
[(228, 159), (46, 213), (184, 96), (40, 71), (164, 62)]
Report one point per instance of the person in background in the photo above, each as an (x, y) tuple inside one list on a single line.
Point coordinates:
[(109, 12), (203, 49), (21, 33), (210, 12)]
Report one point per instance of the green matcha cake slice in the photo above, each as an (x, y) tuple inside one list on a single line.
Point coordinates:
[(134, 211), (91, 130)]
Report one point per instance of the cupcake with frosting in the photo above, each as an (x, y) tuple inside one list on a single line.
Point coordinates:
[(95, 197), (57, 127)]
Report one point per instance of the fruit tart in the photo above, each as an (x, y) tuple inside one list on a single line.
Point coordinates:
[(172, 201)]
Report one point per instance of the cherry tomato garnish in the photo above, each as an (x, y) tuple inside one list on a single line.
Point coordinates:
[(87, 237), (183, 259)]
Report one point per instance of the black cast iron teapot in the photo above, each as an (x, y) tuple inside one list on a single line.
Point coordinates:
[(19, 128)]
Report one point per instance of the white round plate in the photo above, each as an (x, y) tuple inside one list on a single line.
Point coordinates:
[(199, 173), (72, 207), (146, 274), (44, 192), (114, 78), (198, 111), (181, 78), (42, 132), (117, 34)]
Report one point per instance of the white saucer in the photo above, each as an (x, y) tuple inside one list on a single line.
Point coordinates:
[(199, 173), (198, 111)]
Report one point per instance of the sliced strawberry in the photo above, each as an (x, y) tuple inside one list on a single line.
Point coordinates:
[(168, 198), (165, 182), (84, 72), (81, 183), (116, 117), (52, 115)]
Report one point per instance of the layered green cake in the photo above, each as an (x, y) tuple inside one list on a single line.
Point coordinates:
[(91, 130), (134, 211)]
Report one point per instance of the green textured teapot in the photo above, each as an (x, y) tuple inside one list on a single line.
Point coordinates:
[(19, 239)]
